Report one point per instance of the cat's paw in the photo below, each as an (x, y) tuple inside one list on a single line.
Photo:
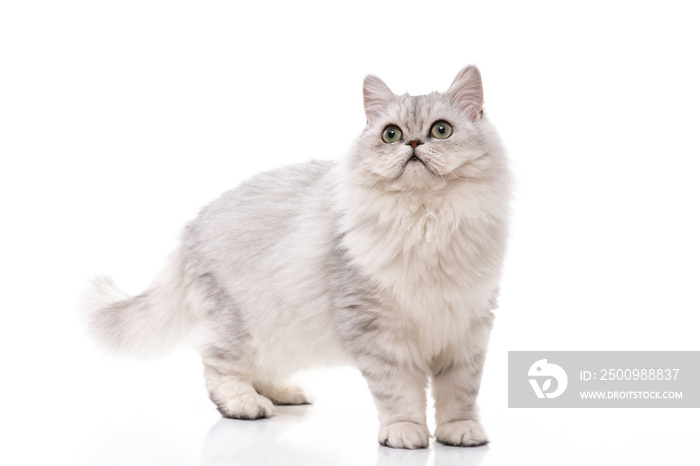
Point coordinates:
[(288, 395), (409, 435), (246, 406), (461, 434)]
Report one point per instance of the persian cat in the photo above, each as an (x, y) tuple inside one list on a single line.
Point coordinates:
[(389, 260)]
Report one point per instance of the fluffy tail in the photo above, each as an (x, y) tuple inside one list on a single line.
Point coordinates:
[(147, 324)]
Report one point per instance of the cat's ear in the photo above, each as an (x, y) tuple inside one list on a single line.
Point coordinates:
[(467, 92), (377, 96)]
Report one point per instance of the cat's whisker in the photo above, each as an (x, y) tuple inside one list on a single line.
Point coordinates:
[(377, 178), (374, 183), (362, 182), (440, 165), (466, 177), (443, 166)]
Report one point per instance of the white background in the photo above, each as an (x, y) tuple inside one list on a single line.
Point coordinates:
[(119, 120)]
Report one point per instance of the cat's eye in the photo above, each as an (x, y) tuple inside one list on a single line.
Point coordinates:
[(441, 130), (392, 133)]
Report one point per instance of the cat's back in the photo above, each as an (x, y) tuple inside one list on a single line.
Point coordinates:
[(257, 218), (278, 189)]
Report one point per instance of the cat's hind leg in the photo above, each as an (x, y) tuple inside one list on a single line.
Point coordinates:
[(285, 394), (234, 396)]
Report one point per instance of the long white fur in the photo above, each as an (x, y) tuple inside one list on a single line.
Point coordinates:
[(254, 275)]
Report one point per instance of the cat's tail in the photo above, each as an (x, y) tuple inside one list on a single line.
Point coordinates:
[(144, 325)]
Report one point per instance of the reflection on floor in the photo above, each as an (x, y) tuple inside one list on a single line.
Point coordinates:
[(307, 435)]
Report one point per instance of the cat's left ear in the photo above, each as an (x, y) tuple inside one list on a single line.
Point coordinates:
[(467, 92), (377, 96)]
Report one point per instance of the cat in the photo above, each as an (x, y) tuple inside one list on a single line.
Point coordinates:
[(389, 259)]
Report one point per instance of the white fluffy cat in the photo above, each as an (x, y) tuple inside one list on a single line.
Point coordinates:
[(389, 260)]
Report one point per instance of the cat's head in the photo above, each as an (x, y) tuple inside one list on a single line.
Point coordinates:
[(426, 141)]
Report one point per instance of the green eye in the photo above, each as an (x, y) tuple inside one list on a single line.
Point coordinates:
[(441, 130), (392, 133)]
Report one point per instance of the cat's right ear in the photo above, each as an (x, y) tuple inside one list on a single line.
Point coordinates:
[(377, 96)]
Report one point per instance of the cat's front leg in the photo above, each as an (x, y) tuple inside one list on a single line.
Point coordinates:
[(455, 389), (399, 393)]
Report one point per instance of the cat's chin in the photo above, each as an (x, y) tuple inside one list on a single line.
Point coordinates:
[(416, 171), (416, 176)]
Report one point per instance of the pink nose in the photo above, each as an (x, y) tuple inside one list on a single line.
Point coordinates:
[(414, 143)]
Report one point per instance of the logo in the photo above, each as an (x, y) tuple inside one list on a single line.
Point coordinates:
[(541, 370)]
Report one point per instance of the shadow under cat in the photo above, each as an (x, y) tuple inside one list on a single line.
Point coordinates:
[(308, 435)]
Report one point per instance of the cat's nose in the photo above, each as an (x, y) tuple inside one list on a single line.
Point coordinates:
[(414, 143)]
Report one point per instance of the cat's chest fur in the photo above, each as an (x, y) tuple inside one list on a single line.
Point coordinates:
[(434, 259)]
